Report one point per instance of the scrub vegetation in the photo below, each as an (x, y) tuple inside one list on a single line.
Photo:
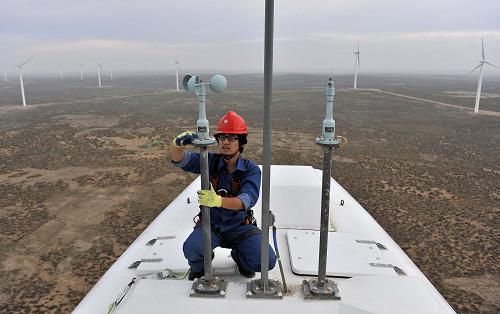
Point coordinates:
[(84, 170)]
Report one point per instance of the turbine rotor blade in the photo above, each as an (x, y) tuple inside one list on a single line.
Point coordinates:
[(495, 66), (26, 61), (359, 64), (473, 69)]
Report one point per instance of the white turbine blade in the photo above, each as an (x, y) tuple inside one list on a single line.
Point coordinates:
[(359, 64), (99, 65), (473, 69), (495, 66), (358, 46), (26, 61), (482, 48)]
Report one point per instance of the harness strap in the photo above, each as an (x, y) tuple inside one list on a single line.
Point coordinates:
[(214, 177), (239, 238), (249, 218)]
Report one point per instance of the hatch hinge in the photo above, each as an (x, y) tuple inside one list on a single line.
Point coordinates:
[(145, 260), (379, 245), (152, 241), (398, 270)]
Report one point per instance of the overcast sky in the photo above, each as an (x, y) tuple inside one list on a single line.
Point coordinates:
[(438, 36)]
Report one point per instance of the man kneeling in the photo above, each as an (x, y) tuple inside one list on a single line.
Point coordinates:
[(236, 186)]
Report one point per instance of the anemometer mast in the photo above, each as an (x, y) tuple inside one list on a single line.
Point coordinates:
[(207, 286), (322, 288), (265, 287)]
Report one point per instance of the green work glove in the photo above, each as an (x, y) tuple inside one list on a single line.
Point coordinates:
[(185, 138), (209, 198)]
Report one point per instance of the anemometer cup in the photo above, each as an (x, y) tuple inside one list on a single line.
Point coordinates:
[(218, 83), (185, 82), (189, 82)]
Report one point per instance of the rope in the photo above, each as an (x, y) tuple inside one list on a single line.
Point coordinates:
[(275, 242)]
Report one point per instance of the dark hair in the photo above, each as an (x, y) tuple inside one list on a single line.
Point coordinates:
[(242, 140)]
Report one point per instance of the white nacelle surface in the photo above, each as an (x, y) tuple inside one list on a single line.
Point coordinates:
[(295, 201)]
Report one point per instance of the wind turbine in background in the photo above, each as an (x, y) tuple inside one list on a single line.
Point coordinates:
[(110, 73), (356, 66), (61, 75), (81, 72), (20, 67), (177, 74), (99, 69), (480, 81), (5, 76)]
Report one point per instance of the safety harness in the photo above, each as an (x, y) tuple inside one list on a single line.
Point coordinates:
[(235, 188)]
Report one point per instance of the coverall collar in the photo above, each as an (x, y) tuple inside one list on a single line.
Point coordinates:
[(240, 165)]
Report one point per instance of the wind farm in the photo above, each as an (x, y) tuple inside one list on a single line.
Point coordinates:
[(85, 156)]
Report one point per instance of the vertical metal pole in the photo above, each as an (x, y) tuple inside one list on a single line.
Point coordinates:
[(325, 209), (266, 168), (208, 286), (322, 288), (205, 212)]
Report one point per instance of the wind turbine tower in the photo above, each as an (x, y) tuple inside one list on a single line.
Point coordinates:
[(20, 67), (356, 66), (81, 72), (99, 69), (61, 74), (177, 74), (5, 76), (480, 81), (110, 73)]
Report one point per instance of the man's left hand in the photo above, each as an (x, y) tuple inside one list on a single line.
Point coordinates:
[(209, 198)]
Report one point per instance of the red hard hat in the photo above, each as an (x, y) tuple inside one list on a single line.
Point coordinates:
[(232, 123)]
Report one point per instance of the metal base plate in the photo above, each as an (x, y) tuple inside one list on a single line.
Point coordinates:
[(273, 290), (329, 291), (335, 142), (197, 142), (202, 288)]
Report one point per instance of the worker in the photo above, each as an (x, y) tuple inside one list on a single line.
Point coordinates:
[(235, 187)]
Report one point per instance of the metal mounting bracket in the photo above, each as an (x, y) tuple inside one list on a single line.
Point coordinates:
[(273, 290), (312, 290), (203, 288)]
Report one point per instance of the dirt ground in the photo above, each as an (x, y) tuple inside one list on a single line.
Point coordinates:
[(84, 170)]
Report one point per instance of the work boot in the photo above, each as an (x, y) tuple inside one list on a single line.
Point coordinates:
[(244, 272), (195, 274), (198, 274)]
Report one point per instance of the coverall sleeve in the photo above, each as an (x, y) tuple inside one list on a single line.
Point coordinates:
[(191, 162), (250, 186)]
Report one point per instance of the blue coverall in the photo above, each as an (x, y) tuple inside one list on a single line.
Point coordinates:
[(226, 222)]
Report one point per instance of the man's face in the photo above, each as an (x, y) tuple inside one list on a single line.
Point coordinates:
[(228, 144)]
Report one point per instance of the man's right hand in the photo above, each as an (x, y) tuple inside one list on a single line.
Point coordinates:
[(183, 139)]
